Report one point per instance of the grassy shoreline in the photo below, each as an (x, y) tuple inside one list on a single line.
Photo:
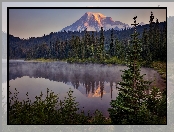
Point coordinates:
[(41, 60)]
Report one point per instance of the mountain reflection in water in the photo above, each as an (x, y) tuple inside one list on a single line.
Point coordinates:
[(94, 85)]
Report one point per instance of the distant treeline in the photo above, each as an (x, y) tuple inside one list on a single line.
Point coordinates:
[(96, 46)]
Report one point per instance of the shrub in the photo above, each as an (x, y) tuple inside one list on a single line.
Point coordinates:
[(50, 110)]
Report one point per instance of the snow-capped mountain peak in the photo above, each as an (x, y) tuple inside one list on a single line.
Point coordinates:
[(142, 23), (94, 22), (97, 16)]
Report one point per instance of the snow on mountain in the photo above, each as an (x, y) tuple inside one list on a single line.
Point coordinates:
[(142, 23), (94, 22)]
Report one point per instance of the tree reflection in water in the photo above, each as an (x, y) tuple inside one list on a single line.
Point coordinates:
[(93, 77)]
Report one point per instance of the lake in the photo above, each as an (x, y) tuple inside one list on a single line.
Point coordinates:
[(94, 85)]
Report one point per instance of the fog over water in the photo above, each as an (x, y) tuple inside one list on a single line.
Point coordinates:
[(94, 85)]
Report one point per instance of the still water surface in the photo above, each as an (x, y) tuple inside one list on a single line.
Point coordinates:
[(94, 85)]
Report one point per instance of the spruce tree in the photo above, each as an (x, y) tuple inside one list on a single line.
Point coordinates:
[(98, 49), (92, 44), (145, 48), (151, 38), (157, 40), (76, 47), (117, 48), (102, 55), (164, 43), (112, 44), (82, 48), (129, 107), (72, 47), (86, 44)]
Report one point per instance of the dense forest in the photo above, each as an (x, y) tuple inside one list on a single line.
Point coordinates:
[(93, 46), (136, 103)]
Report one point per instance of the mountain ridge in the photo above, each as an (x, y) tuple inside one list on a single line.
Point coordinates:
[(93, 22)]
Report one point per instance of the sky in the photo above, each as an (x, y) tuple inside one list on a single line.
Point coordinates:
[(32, 33), (25, 23)]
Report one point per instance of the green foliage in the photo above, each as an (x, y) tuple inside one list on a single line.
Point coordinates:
[(98, 118), (41, 60), (86, 44), (50, 110), (99, 48), (133, 104), (114, 60), (160, 67)]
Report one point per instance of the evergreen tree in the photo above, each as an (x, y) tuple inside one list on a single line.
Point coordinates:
[(163, 48), (151, 38), (98, 53), (130, 105), (112, 44), (102, 40), (92, 44), (145, 47), (76, 46), (83, 48), (86, 44), (156, 41), (72, 46), (95, 47), (117, 48)]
